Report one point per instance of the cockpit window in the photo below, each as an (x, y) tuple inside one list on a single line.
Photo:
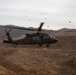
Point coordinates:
[(51, 36), (46, 37), (35, 38)]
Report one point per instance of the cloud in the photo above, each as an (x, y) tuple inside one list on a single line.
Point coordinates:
[(54, 12)]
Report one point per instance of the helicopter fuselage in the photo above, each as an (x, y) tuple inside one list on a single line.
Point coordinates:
[(34, 38), (41, 38)]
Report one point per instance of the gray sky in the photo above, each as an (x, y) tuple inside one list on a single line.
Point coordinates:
[(29, 13)]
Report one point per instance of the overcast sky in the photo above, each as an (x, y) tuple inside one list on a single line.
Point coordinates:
[(29, 13)]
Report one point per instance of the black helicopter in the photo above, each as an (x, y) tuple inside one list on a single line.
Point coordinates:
[(34, 38)]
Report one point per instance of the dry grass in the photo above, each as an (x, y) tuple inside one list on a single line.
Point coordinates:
[(38, 61), (58, 59)]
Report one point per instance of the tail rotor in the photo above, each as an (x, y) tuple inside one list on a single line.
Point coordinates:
[(7, 33)]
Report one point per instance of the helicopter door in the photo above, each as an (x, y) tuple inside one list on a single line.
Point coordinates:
[(46, 38), (28, 40), (36, 39)]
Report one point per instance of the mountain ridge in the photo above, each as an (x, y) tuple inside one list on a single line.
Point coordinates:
[(18, 32)]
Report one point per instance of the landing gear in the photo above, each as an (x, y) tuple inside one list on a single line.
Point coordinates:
[(47, 45), (40, 45)]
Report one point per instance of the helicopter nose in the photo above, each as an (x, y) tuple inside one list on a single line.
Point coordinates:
[(55, 40)]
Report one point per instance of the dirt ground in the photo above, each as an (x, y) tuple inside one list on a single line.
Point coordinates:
[(34, 60), (58, 59)]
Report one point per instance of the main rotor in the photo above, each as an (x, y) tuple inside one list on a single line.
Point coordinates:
[(22, 28)]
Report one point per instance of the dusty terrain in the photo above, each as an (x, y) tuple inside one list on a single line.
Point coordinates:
[(58, 59)]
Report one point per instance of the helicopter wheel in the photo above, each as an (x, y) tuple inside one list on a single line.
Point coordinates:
[(40, 45), (47, 45)]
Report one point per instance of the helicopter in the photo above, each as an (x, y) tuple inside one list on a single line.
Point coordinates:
[(33, 38)]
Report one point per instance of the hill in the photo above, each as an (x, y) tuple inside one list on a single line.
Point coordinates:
[(58, 59), (65, 36), (33, 60), (17, 32)]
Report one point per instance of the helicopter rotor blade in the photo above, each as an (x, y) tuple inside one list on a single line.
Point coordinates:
[(9, 30), (6, 32), (40, 27), (4, 36), (23, 28)]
